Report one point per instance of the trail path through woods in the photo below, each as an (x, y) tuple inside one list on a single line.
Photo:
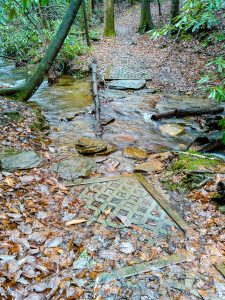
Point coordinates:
[(115, 235), (173, 66)]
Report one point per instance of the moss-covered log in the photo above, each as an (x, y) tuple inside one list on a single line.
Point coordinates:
[(25, 91)]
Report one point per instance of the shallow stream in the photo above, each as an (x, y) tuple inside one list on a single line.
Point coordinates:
[(132, 111)]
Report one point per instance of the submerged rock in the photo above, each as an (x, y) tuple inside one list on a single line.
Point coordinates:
[(135, 153), (21, 161), (75, 167), (172, 129), (90, 145), (126, 84)]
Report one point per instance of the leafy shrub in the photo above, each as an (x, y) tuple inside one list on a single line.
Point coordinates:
[(216, 75)]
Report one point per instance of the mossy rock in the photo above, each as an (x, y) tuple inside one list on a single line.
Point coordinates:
[(189, 162), (40, 124)]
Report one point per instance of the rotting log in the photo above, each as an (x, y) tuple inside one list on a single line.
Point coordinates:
[(187, 112), (96, 97)]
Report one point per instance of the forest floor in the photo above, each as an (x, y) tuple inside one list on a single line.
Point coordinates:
[(51, 245)]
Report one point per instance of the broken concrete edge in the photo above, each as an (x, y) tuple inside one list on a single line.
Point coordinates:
[(162, 202), (150, 189), (144, 267), (220, 267)]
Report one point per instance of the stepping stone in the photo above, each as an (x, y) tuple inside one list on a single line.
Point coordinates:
[(21, 161), (135, 153), (150, 166), (74, 168), (172, 129), (126, 84), (90, 145)]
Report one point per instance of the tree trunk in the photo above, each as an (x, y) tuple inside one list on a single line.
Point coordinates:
[(86, 24), (90, 4), (174, 12), (25, 91), (109, 23), (146, 22)]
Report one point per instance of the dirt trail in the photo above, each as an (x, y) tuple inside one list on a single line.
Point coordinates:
[(173, 66)]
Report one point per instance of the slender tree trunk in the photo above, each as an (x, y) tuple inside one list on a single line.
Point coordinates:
[(109, 22), (174, 11), (146, 22), (90, 4), (25, 91), (159, 7), (86, 24)]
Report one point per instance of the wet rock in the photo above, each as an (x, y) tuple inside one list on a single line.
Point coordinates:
[(126, 84), (161, 156), (107, 120), (75, 168), (110, 149), (150, 166), (21, 161), (125, 138), (112, 95), (135, 153), (172, 129), (90, 145)]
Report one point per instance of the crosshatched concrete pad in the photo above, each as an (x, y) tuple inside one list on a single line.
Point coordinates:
[(133, 71), (130, 196)]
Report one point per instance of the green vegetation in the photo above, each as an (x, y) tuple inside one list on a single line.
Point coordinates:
[(202, 19), (186, 165), (189, 162), (28, 26)]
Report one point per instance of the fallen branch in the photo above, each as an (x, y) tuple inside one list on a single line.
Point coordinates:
[(96, 97), (187, 112)]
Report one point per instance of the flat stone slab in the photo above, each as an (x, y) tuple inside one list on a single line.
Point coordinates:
[(21, 161), (126, 84), (75, 167), (133, 197)]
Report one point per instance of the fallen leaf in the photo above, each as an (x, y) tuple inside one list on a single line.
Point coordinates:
[(74, 222)]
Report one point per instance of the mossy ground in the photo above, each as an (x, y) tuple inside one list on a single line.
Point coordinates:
[(181, 173)]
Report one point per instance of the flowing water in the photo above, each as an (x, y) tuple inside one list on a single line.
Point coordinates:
[(132, 112)]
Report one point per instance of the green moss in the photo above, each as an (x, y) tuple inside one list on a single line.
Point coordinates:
[(184, 166), (14, 116), (40, 124), (187, 163)]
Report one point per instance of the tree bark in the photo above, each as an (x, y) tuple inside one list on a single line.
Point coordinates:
[(109, 22), (146, 22), (187, 112), (174, 11), (96, 97), (25, 91), (86, 24)]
